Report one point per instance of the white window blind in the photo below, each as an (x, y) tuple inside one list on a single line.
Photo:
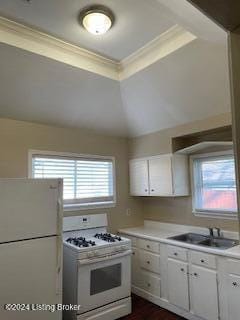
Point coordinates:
[(214, 184), (85, 180)]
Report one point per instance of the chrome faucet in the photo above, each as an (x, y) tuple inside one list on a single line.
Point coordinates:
[(218, 232), (210, 232)]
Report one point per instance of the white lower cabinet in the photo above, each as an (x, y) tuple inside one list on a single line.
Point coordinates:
[(204, 293), (178, 293), (193, 284), (136, 276), (233, 295)]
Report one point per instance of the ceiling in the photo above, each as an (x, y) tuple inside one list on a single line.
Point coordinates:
[(137, 22), (225, 12), (35, 88), (188, 84)]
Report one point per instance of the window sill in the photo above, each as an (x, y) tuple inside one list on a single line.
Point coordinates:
[(88, 206), (216, 215)]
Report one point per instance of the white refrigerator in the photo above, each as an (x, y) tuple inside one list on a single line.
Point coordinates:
[(30, 249)]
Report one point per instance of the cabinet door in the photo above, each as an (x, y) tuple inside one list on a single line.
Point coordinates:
[(178, 291), (136, 276), (138, 171), (160, 176), (204, 293), (233, 297)]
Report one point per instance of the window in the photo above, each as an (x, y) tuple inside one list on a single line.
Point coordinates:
[(88, 181), (214, 184)]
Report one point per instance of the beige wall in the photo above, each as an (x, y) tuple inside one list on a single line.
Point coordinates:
[(176, 210), (17, 137)]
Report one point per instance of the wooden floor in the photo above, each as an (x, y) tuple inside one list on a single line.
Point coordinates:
[(145, 310)]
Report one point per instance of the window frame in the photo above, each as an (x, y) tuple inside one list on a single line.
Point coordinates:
[(232, 215), (68, 206)]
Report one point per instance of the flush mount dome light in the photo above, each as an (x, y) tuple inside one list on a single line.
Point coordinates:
[(96, 19)]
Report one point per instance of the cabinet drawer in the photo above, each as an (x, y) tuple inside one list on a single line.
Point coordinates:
[(202, 259), (149, 245), (150, 283), (150, 261), (177, 253), (233, 266)]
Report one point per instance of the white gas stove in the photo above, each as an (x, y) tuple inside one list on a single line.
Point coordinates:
[(96, 269)]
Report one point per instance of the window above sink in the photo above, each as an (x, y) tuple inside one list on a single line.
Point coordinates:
[(214, 185)]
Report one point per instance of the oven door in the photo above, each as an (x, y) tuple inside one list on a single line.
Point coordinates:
[(103, 280)]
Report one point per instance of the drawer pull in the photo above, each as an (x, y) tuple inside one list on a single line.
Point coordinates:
[(235, 284), (148, 262), (202, 260), (176, 254)]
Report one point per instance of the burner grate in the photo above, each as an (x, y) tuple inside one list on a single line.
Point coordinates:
[(107, 237), (81, 242)]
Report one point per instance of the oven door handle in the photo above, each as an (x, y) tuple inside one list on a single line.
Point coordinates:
[(105, 258)]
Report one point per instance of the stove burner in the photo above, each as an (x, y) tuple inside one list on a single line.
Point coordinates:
[(81, 242), (107, 237)]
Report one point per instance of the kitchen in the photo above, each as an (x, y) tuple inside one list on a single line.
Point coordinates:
[(171, 106)]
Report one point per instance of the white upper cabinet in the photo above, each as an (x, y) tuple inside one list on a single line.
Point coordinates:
[(139, 178), (164, 175)]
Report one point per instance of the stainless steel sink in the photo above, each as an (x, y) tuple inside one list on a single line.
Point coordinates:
[(206, 241), (220, 243), (193, 238)]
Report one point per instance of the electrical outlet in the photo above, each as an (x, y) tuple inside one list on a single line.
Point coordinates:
[(128, 212)]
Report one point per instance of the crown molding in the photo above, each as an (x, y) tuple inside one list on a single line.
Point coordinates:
[(32, 40), (23, 37), (168, 42)]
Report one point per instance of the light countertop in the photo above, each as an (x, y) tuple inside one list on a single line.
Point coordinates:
[(156, 231)]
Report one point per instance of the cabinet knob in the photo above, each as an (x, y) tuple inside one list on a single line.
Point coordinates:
[(148, 246), (133, 253), (149, 285), (148, 262), (152, 190), (175, 253), (202, 260), (182, 269), (146, 190), (195, 274), (235, 284)]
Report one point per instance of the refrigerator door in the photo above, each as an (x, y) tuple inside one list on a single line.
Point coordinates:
[(30, 273), (30, 208)]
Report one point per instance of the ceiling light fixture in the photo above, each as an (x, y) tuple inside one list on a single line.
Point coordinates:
[(96, 19)]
